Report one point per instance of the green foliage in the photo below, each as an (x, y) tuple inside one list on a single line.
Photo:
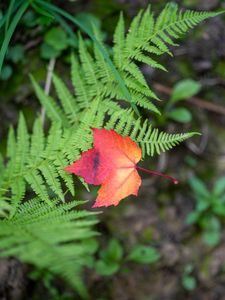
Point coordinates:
[(56, 38), (48, 52), (148, 37), (37, 161), (55, 41), (181, 115), (209, 209), (143, 254), (122, 120), (55, 238), (183, 90), (189, 282), (110, 259)]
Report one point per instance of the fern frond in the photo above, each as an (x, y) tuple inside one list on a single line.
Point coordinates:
[(53, 238), (53, 111), (51, 175), (149, 36), (66, 99), (82, 92), (43, 168), (119, 42), (37, 141), (170, 24), (60, 162), (132, 35), (11, 144), (146, 25), (38, 161), (154, 142), (150, 139), (89, 68), (18, 188), (22, 144), (93, 78), (132, 69), (35, 164), (103, 70), (36, 182), (143, 101)]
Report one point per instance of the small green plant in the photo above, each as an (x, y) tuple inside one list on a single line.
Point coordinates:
[(143, 254), (183, 90), (189, 282), (112, 258), (209, 210)]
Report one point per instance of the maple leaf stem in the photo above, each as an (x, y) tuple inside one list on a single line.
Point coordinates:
[(174, 180)]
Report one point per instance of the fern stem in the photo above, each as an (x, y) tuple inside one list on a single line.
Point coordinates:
[(174, 180), (48, 83)]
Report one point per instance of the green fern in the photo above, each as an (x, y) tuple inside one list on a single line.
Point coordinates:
[(148, 36), (35, 160), (57, 239), (151, 140), (93, 78), (54, 112), (47, 156)]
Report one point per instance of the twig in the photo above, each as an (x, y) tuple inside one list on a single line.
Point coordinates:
[(194, 100), (48, 83)]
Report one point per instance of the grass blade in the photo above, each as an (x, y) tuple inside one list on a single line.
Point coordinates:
[(10, 31), (3, 19), (8, 14)]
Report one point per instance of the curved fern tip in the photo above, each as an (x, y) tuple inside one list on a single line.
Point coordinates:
[(195, 133)]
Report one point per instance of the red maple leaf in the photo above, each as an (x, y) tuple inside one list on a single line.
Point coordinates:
[(111, 163)]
